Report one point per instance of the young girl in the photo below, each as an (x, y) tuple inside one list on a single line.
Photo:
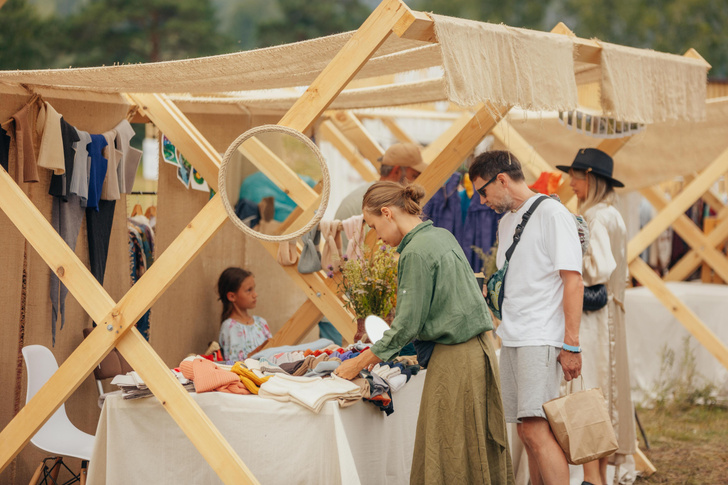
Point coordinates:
[(240, 333)]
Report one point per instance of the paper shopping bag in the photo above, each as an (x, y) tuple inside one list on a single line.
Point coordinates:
[(580, 422)]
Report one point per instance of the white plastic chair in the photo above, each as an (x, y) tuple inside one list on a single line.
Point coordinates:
[(58, 435)]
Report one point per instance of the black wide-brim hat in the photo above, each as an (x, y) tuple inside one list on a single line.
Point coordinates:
[(595, 161)]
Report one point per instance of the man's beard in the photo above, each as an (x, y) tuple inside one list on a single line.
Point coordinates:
[(504, 205)]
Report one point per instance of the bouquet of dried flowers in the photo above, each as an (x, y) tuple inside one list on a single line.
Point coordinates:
[(369, 282)]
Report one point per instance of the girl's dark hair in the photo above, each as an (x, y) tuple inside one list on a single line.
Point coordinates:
[(230, 280), (386, 193)]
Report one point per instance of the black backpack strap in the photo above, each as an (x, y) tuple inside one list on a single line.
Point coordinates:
[(522, 225)]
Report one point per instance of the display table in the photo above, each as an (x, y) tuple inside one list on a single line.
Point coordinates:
[(282, 443), (652, 329)]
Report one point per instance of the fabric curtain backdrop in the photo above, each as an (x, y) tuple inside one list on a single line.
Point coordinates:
[(644, 86), (506, 66)]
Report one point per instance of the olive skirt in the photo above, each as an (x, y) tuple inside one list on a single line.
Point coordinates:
[(461, 430)]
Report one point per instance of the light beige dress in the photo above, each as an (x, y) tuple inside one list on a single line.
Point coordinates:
[(602, 333)]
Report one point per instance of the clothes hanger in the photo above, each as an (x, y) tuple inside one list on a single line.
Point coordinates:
[(137, 210), (151, 212)]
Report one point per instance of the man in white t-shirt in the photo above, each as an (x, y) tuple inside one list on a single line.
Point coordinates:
[(541, 308)]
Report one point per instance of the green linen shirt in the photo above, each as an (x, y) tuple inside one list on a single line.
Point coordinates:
[(438, 298)]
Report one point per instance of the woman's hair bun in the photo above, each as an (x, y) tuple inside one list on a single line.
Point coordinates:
[(414, 192)]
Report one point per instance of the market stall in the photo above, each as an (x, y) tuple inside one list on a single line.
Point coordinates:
[(326, 65)]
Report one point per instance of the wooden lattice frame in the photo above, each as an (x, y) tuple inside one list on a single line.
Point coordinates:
[(117, 320)]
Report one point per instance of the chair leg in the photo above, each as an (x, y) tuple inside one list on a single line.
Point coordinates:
[(56, 470), (36, 475), (84, 472)]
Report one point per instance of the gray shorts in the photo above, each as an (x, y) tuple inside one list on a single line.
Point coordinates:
[(530, 376)]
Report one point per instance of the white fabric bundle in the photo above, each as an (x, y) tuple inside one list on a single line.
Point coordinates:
[(310, 392), (506, 66)]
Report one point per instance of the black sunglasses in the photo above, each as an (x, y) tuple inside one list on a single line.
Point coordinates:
[(481, 190)]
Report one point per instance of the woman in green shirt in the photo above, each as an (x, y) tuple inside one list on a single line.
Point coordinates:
[(461, 430)]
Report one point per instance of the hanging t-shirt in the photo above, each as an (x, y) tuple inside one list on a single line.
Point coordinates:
[(533, 312), (110, 189), (82, 167), (237, 340), (61, 184), (48, 127), (21, 128), (128, 164), (98, 170)]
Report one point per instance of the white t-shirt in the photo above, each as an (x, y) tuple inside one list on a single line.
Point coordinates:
[(533, 312)]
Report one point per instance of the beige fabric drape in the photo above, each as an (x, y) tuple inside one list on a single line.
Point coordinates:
[(505, 65), (645, 86)]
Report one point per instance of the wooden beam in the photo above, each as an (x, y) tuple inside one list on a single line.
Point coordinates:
[(279, 172), (423, 28), (298, 326), (647, 277), (642, 464), (188, 415), (708, 197), (690, 261), (324, 297), (692, 235), (585, 50), (347, 62), (179, 129), (397, 131), (333, 135), (352, 128), (677, 206), (115, 321), (524, 151), (445, 154)]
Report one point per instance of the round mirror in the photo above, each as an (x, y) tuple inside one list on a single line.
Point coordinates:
[(274, 183), (375, 327)]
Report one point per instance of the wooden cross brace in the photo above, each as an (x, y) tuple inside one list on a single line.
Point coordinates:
[(116, 320), (703, 247)]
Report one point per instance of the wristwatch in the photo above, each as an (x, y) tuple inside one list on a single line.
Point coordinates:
[(571, 348)]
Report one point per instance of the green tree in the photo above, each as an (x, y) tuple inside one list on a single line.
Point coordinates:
[(128, 31), (24, 37), (303, 19)]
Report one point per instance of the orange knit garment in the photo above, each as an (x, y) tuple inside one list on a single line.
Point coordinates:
[(209, 377)]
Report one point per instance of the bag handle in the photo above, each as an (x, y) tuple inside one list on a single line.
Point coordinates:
[(570, 384), (520, 227)]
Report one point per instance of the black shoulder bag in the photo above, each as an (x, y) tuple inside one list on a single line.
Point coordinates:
[(497, 281)]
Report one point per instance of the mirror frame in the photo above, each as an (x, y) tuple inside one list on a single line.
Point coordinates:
[(222, 185)]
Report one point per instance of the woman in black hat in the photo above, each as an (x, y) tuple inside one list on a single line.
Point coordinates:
[(602, 331)]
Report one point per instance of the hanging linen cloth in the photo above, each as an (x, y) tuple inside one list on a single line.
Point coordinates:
[(355, 234), (331, 254)]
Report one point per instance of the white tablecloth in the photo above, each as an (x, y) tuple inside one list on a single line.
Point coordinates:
[(651, 329), (282, 443)]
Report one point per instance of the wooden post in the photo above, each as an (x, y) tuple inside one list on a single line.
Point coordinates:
[(445, 154), (333, 135), (691, 234), (644, 274), (350, 126), (677, 206)]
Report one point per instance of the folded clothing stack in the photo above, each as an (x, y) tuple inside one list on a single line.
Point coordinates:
[(310, 392)]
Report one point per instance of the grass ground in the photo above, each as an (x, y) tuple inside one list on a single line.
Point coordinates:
[(688, 444)]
